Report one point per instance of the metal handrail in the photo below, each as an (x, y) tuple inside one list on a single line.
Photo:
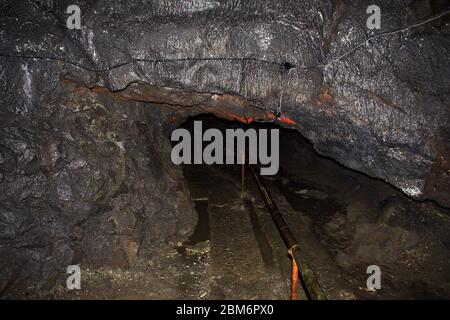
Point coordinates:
[(312, 288)]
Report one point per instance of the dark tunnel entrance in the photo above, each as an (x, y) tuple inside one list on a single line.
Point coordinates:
[(345, 221)]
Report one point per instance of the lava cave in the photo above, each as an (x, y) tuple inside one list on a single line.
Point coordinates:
[(343, 164)]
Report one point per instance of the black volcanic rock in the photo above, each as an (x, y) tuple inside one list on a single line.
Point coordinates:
[(83, 156)]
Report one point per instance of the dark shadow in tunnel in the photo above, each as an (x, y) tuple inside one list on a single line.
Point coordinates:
[(291, 140), (340, 202)]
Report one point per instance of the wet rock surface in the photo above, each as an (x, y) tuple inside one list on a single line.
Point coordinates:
[(364, 222), (88, 180), (379, 107), (84, 168)]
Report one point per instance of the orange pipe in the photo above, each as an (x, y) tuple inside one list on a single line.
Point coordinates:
[(294, 277)]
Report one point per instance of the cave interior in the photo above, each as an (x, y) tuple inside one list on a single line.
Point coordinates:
[(88, 177)]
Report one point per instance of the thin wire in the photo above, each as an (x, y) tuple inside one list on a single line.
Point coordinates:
[(279, 109), (193, 59), (384, 34)]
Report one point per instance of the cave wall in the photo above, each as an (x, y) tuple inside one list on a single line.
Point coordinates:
[(86, 180), (73, 150), (381, 109)]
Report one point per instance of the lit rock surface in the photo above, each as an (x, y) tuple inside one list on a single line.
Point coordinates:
[(73, 155)]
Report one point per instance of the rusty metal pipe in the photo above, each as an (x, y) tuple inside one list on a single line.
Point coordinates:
[(311, 285)]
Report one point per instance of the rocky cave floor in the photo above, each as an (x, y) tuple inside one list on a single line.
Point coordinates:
[(86, 176), (344, 221)]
